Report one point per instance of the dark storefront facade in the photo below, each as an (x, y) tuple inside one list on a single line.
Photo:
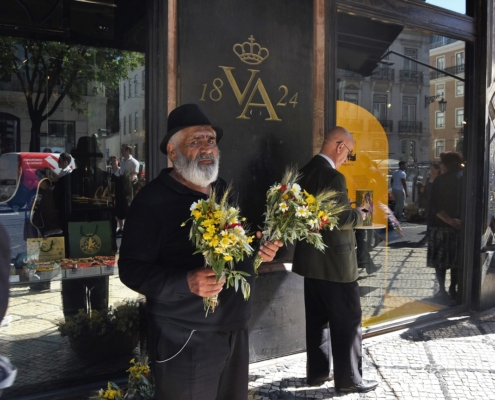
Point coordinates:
[(408, 79)]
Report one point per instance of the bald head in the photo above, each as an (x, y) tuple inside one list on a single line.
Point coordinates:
[(337, 145), (338, 134)]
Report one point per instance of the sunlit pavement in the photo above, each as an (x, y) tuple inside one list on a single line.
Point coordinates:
[(454, 359), (406, 365)]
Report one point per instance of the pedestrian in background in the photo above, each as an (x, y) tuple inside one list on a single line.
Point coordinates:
[(121, 205), (129, 170), (444, 238), (434, 173), (64, 161), (399, 190)]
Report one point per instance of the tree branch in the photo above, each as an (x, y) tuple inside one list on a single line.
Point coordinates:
[(62, 96)]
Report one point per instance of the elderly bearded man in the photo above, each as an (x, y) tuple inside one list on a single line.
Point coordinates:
[(192, 356)]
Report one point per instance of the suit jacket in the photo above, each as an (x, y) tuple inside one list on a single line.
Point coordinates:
[(339, 262)]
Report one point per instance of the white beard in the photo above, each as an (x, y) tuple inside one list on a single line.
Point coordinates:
[(196, 173)]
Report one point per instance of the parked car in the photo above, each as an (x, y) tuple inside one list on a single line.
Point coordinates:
[(20, 174)]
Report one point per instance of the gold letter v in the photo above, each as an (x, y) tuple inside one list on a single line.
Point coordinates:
[(239, 96)]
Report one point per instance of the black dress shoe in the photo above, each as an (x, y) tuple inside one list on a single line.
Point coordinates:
[(320, 381), (363, 387)]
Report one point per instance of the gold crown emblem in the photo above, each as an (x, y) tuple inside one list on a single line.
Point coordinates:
[(251, 52)]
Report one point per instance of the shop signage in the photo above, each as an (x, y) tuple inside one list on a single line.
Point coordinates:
[(250, 68), (250, 53)]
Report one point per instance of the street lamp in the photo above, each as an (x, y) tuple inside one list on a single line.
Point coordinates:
[(460, 140), (442, 103)]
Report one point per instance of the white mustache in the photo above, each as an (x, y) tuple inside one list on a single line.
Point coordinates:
[(205, 157)]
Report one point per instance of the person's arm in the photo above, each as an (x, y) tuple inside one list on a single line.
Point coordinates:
[(139, 261), (404, 185), (135, 172), (349, 217), (444, 192), (455, 222), (202, 281)]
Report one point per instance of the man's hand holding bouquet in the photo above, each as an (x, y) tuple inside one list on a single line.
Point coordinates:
[(294, 214)]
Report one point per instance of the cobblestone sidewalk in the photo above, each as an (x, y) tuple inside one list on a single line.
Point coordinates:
[(454, 359)]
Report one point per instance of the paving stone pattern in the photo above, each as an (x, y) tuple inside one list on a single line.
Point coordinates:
[(454, 359), (397, 284), (44, 359)]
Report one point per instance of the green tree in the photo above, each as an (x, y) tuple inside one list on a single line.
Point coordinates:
[(49, 72)]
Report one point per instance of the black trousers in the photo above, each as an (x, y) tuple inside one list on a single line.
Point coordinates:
[(81, 293), (211, 366), (333, 328)]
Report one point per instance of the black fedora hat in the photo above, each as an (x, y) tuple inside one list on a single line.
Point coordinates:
[(183, 117), (87, 146)]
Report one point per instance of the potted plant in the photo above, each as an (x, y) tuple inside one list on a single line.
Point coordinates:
[(110, 332), (140, 385)]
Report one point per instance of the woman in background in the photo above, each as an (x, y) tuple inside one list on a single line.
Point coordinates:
[(434, 173), (445, 224)]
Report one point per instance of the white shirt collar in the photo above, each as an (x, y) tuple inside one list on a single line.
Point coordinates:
[(328, 159)]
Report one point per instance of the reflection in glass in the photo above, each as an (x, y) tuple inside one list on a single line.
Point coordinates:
[(60, 101), (407, 107)]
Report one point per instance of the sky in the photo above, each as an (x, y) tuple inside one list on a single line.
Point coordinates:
[(453, 5)]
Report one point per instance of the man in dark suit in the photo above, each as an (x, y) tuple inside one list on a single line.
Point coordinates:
[(331, 291)]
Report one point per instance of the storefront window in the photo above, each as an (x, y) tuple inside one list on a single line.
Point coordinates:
[(61, 199), (405, 113)]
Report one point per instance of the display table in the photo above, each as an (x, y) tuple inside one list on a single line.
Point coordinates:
[(58, 271), (374, 226)]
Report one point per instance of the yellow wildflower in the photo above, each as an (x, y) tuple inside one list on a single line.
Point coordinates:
[(225, 241), (310, 199), (207, 236), (197, 214), (283, 206), (208, 222), (227, 257), (195, 205), (214, 241), (250, 239), (218, 214)]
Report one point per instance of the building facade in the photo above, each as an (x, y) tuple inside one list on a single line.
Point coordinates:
[(447, 127)]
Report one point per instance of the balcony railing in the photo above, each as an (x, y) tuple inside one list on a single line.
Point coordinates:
[(410, 126), (444, 41), (456, 70), (344, 73), (383, 74), (387, 124), (411, 76)]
